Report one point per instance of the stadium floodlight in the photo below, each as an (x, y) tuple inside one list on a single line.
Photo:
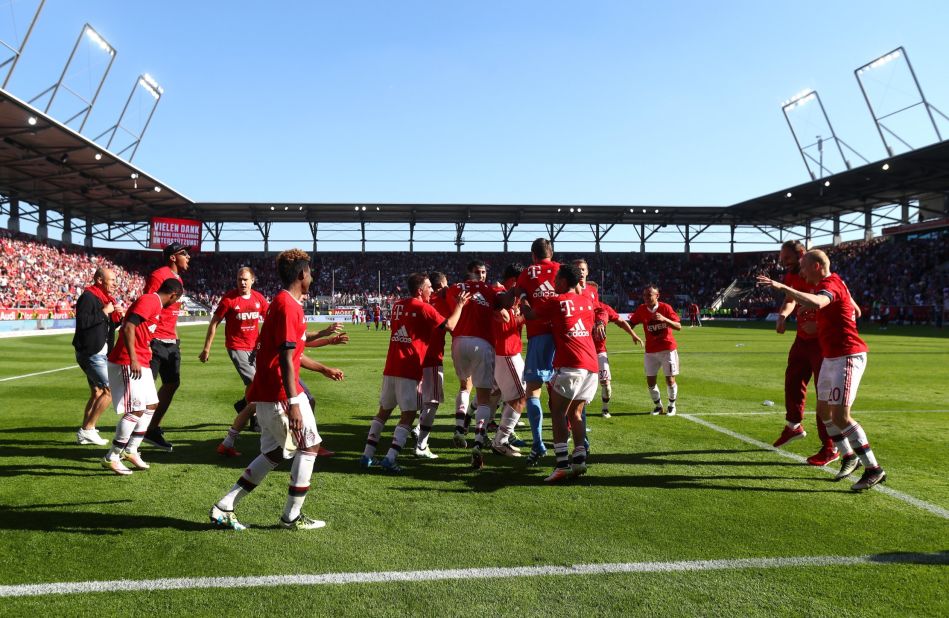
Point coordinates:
[(886, 166), (98, 156), (579, 210), (826, 183), (799, 100), (87, 32), (157, 189), (17, 51), (147, 83), (356, 208), (788, 194), (864, 74), (31, 121)]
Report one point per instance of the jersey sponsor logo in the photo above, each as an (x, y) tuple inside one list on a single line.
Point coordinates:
[(397, 311), (248, 315), (578, 330), (480, 299), (401, 335), (545, 290), (566, 307), (656, 326)]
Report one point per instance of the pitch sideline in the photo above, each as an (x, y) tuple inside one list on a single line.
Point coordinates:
[(330, 579), (38, 373), (922, 504)]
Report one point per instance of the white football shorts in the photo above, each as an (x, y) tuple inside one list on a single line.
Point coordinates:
[(130, 395), (275, 427), (604, 362), (509, 376), (574, 384), (473, 358), (400, 392), (433, 384), (667, 360), (840, 377)]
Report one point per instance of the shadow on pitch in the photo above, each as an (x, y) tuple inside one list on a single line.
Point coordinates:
[(87, 522)]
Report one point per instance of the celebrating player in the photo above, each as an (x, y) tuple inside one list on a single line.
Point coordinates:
[(804, 358), (433, 372), (96, 320), (659, 320), (413, 322), (509, 368), (130, 376), (287, 425), (571, 316), (166, 352), (241, 309), (845, 358)]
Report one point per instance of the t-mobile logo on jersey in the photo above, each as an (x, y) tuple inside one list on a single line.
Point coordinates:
[(397, 311), (566, 306)]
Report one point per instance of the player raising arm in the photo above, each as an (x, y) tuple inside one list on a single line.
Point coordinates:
[(659, 320)]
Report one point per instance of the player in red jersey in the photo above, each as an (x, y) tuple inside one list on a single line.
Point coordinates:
[(509, 367), (536, 283), (242, 309), (804, 358), (571, 316), (287, 425), (433, 371), (130, 376), (694, 315), (845, 358), (659, 320), (414, 321), (166, 352), (472, 352), (607, 315), (377, 315)]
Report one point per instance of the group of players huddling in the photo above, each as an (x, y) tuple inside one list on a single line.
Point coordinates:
[(566, 350)]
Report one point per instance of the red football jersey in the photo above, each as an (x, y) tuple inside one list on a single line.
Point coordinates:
[(241, 318), (167, 327), (537, 280), (608, 315), (148, 307), (836, 323), (413, 323), (284, 325), (658, 334), (477, 316), (804, 314), (507, 335), (571, 317), (436, 346)]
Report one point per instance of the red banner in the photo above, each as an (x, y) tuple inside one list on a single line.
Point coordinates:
[(164, 231)]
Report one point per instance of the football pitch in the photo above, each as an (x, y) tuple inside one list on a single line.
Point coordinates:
[(688, 515)]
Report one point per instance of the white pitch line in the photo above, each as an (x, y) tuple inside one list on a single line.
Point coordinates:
[(922, 504), (38, 373), (336, 579), (781, 412)]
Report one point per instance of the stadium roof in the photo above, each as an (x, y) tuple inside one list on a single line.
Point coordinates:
[(49, 165)]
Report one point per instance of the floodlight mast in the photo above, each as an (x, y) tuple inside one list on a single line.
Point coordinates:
[(798, 100), (95, 37), (148, 83), (13, 60), (899, 52)]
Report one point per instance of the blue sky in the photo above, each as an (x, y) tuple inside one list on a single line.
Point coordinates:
[(674, 103)]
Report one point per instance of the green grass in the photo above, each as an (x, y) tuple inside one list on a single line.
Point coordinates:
[(659, 489)]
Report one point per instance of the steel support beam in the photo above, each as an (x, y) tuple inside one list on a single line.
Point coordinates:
[(506, 230), (459, 238), (264, 228), (67, 227), (314, 230), (13, 223)]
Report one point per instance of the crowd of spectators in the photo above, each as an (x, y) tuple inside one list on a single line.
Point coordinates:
[(882, 272)]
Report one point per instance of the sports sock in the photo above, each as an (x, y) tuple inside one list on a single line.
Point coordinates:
[(563, 459), (372, 440), (482, 416), (509, 418), (300, 474), (606, 393), (123, 431), (825, 438), (399, 436), (843, 446), (462, 400), (861, 446), (535, 418), (253, 476), (425, 423), (231, 437), (654, 393), (673, 391), (579, 455), (793, 426), (139, 434)]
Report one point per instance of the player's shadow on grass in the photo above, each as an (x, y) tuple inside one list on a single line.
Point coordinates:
[(88, 522), (937, 557), (682, 481), (671, 458)]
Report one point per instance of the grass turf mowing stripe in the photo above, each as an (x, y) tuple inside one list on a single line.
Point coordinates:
[(264, 581), (922, 504), (38, 373)]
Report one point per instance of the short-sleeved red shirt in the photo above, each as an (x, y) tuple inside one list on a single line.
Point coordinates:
[(477, 315), (804, 314), (571, 317), (537, 280), (658, 334), (241, 318), (284, 326), (413, 324), (836, 322), (610, 315), (507, 335), (148, 307), (167, 327), (436, 347)]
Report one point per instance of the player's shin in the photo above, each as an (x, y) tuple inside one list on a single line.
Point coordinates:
[(842, 444), (300, 474), (462, 400), (372, 440), (654, 394), (535, 417), (673, 391), (509, 418), (482, 416), (425, 423), (861, 446), (139, 434), (399, 436), (606, 393), (123, 433), (253, 476), (563, 457)]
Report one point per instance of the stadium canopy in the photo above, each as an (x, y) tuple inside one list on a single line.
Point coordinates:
[(52, 175)]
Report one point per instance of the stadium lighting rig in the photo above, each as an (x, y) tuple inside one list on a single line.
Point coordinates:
[(18, 50), (147, 83), (799, 100)]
